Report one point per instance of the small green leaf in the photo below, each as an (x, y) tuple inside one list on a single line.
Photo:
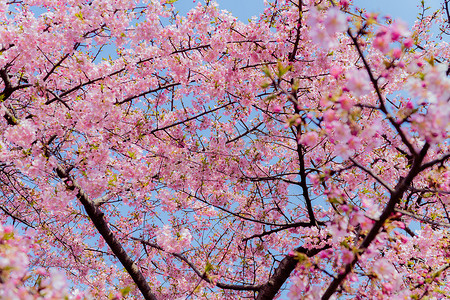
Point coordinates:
[(208, 267), (271, 97), (265, 84), (282, 70), (125, 291), (131, 154), (266, 71), (79, 15)]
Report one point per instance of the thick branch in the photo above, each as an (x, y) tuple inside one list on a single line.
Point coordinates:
[(395, 198), (282, 273), (9, 88), (448, 13), (435, 162), (302, 173), (97, 217), (299, 27)]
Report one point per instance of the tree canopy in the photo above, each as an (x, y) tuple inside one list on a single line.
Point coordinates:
[(146, 154)]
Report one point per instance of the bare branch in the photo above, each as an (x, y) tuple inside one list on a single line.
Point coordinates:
[(191, 118), (244, 134), (422, 218), (287, 226), (378, 179), (204, 276), (159, 88)]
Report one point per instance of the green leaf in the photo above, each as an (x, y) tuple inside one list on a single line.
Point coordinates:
[(266, 71), (131, 154), (302, 258), (265, 84), (282, 70), (271, 97), (125, 291), (79, 15), (208, 267)]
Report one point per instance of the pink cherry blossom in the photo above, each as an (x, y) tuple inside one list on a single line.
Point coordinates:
[(335, 21), (148, 153), (336, 71), (172, 243), (324, 27), (310, 139), (358, 82), (399, 29), (347, 256), (22, 135)]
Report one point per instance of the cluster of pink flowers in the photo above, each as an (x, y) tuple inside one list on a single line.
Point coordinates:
[(171, 243), (325, 24), (433, 91), (385, 37), (21, 135), (358, 82), (14, 272), (250, 140)]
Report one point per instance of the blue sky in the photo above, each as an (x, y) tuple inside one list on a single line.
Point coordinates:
[(244, 9), (406, 10)]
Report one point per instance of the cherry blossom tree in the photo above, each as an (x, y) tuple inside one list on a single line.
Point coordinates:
[(146, 154)]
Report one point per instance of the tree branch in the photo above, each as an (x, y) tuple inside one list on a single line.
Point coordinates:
[(302, 173), (299, 28), (380, 97), (422, 218), (287, 226), (435, 162), (97, 218), (371, 174), (395, 198), (240, 215), (204, 276), (191, 118), (282, 273), (159, 88)]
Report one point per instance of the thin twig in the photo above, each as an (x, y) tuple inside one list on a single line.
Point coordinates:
[(204, 276)]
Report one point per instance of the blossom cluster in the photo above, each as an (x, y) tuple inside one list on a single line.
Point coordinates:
[(14, 272), (171, 243)]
